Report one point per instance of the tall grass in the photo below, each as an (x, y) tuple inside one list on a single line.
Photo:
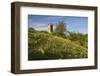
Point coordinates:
[(43, 46)]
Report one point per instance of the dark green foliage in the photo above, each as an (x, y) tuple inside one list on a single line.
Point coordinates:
[(43, 46), (81, 39), (61, 28), (31, 29)]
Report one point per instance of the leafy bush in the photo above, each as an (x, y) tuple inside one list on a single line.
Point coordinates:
[(81, 39), (43, 46)]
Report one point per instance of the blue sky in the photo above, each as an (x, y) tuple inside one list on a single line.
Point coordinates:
[(73, 23)]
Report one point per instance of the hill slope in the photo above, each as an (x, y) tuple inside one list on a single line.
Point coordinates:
[(43, 46)]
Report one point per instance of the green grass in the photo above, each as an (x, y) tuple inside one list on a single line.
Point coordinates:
[(44, 46)]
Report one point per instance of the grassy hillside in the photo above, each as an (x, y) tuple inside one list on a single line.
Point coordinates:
[(43, 46)]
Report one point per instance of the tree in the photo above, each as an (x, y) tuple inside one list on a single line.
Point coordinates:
[(30, 29), (79, 38), (61, 28)]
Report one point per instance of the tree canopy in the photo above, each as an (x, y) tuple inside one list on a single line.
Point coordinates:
[(61, 28)]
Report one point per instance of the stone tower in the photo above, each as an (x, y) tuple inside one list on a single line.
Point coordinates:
[(50, 28)]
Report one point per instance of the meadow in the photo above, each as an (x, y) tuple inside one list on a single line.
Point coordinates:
[(45, 46)]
